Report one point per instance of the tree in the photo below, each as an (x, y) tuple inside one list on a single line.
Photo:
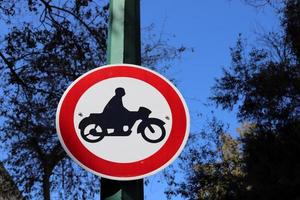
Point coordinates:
[(263, 83), (291, 25), (8, 189), (212, 165), (39, 58), (265, 86)]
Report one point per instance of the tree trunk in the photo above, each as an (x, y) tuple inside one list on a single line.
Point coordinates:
[(46, 186)]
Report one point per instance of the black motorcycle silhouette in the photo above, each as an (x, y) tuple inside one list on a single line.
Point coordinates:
[(115, 116)]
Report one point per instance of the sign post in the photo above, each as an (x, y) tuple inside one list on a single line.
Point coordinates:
[(124, 46)]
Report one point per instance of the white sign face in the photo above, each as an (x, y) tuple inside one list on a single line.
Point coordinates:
[(122, 122), (132, 147)]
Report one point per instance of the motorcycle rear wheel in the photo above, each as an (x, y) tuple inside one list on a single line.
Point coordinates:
[(92, 135)]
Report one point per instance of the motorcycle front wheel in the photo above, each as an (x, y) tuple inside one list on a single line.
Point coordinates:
[(153, 130)]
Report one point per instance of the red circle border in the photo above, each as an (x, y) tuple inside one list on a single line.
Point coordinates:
[(132, 170)]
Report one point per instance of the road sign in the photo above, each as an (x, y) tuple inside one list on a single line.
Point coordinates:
[(122, 122)]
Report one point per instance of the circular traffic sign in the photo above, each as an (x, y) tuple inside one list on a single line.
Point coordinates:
[(122, 122)]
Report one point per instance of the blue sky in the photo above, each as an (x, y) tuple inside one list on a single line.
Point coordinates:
[(210, 27)]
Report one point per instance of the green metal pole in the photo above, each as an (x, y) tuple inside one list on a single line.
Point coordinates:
[(124, 46), (124, 37)]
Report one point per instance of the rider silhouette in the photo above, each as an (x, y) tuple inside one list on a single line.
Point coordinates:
[(115, 110)]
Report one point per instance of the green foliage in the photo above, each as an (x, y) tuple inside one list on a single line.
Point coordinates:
[(8, 189), (265, 90), (213, 168), (263, 84), (272, 162), (291, 24)]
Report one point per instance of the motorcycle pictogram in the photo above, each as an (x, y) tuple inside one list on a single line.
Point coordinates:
[(115, 116)]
